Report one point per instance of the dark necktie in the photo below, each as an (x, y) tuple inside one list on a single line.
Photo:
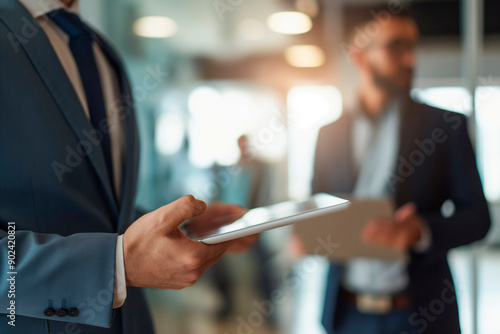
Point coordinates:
[(80, 44)]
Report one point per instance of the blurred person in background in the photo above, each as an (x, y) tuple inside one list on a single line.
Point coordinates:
[(247, 184), (389, 145)]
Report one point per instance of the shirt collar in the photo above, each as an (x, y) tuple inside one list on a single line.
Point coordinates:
[(39, 8), (357, 111)]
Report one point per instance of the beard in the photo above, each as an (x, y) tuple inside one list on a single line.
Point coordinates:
[(390, 83)]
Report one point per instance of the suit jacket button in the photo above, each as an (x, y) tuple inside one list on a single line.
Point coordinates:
[(73, 312), (61, 312), (49, 312)]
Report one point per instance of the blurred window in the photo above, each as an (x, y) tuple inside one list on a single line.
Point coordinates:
[(309, 108)]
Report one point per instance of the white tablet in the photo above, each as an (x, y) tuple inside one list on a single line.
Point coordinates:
[(268, 217)]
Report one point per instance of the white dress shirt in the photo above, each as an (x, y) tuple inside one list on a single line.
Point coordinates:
[(111, 92), (375, 149)]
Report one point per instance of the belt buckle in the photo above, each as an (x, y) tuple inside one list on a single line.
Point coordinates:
[(370, 303)]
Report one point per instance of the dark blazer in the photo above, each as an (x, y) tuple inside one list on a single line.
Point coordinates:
[(436, 163), (66, 222)]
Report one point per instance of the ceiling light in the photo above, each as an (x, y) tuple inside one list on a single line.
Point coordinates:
[(155, 27), (290, 23), (305, 56)]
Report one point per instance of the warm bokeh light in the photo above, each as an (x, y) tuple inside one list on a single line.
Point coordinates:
[(155, 27), (305, 56), (290, 23)]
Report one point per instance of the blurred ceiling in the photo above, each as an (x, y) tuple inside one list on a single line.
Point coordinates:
[(236, 29), (213, 28)]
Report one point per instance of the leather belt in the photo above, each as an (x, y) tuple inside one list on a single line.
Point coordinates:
[(376, 303)]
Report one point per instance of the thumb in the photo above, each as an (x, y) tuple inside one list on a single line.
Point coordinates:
[(173, 214), (406, 211)]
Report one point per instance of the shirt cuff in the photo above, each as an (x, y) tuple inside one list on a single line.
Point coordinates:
[(425, 239), (120, 291)]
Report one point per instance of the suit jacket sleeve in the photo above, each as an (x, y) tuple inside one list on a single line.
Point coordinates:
[(73, 264), (60, 272), (471, 220)]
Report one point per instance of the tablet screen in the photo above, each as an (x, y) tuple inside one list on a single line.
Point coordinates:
[(256, 219)]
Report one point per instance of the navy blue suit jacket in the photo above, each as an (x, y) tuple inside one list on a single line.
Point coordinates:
[(436, 163), (54, 186)]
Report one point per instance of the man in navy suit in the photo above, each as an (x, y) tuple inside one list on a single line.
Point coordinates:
[(74, 258), (389, 145)]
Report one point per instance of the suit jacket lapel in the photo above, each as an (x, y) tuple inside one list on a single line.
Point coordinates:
[(45, 61), (341, 173), (412, 126)]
